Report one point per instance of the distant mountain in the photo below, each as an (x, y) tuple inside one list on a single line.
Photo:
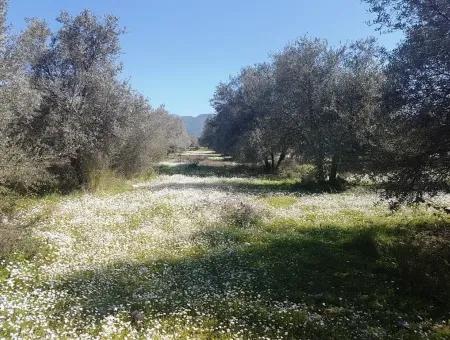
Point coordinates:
[(194, 125)]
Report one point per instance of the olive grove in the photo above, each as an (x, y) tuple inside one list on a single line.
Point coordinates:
[(352, 108), (64, 110), (312, 101)]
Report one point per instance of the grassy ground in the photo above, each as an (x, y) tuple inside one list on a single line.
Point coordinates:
[(203, 252)]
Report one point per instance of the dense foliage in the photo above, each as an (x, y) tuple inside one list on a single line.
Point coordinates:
[(346, 108), (312, 101), (64, 112), (415, 145)]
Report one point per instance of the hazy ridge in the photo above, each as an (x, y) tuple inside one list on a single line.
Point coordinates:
[(194, 125)]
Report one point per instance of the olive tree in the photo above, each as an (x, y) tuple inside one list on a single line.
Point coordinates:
[(22, 164), (64, 112), (414, 143), (312, 101)]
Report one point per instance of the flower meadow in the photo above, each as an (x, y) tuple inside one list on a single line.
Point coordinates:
[(232, 257)]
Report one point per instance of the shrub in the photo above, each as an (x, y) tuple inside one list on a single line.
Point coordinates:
[(243, 215), (306, 173), (22, 171)]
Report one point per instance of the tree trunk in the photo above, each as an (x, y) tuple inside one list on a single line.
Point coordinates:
[(76, 164), (280, 159), (320, 173), (266, 164), (272, 159), (333, 170)]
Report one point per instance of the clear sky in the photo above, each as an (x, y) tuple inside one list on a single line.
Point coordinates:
[(176, 51)]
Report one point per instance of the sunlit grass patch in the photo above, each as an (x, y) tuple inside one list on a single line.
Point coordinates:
[(145, 176), (270, 183), (12, 203), (106, 182), (216, 158), (200, 152), (280, 201), (136, 219)]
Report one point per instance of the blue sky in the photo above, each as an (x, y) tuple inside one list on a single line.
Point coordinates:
[(175, 52)]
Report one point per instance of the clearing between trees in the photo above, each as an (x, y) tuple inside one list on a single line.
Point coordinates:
[(203, 250)]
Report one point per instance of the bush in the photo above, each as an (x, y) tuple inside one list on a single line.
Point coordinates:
[(242, 216), (306, 173), (22, 171)]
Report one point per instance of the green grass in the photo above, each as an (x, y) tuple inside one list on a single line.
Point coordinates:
[(280, 201), (353, 272), (107, 182), (136, 220), (256, 262)]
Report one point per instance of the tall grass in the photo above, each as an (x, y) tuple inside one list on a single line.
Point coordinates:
[(107, 182)]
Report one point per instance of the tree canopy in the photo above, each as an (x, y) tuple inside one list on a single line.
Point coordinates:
[(353, 107), (414, 148), (312, 101), (64, 111)]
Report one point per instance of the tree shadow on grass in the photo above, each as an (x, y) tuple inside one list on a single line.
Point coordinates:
[(322, 275), (208, 170), (252, 186), (251, 179)]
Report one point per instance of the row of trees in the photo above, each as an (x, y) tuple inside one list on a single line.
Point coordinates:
[(64, 111), (312, 100), (352, 107)]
